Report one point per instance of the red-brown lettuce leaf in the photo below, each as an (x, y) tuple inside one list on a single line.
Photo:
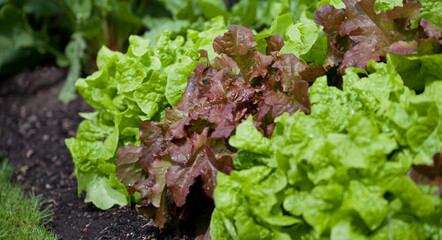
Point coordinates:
[(429, 175), (236, 43), (357, 34), (128, 171)]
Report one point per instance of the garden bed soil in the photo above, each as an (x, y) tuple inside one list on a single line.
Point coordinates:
[(33, 126)]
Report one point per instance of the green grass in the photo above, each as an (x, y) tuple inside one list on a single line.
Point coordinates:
[(20, 217)]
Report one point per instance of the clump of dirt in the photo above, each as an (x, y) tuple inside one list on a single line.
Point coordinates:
[(33, 126)]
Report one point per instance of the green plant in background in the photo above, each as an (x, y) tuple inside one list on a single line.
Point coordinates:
[(21, 42), (255, 14), (96, 23), (20, 217), (71, 31)]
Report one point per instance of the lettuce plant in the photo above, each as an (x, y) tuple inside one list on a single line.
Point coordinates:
[(340, 172), (190, 146)]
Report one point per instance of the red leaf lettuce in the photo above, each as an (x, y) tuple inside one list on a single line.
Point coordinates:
[(191, 146), (357, 34)]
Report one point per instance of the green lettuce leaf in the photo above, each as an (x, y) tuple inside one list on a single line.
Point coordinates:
[(417, 71), (306, 41), (247, 135)]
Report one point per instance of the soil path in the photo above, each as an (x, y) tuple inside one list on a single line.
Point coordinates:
[(33, 126)]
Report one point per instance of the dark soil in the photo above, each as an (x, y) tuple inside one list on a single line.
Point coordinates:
[(33, 126)]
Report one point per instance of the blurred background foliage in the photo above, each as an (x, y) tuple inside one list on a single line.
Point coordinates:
[(70, 32)]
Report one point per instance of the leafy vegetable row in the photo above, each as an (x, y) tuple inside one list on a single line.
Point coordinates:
[(186, 146), (336, 169)]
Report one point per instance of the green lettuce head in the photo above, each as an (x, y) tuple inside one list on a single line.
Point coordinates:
[(340, 172)]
